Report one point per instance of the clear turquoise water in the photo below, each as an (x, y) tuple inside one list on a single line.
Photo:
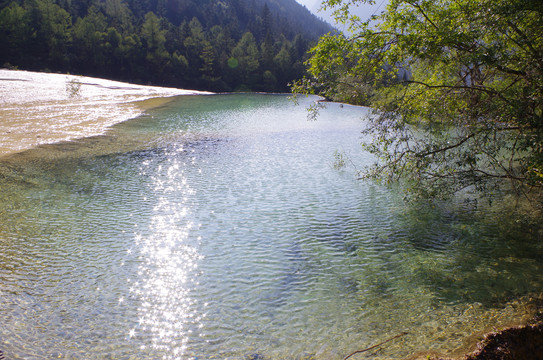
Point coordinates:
[(218, 227)]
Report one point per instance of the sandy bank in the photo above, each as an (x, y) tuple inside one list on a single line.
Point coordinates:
[(41, 108)]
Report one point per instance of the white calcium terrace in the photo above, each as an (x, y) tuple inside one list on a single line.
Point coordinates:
[(43, 108)]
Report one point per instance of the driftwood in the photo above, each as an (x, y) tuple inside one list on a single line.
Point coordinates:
[(375, 346)]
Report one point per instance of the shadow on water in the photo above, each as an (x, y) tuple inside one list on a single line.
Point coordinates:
[(463, 253), (486, 257)]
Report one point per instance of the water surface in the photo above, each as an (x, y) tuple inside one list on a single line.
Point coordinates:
[(218, 227)]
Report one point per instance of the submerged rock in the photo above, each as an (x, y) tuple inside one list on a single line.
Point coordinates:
[(516, 343)]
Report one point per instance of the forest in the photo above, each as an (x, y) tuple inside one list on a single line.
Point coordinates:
[(229, 45)]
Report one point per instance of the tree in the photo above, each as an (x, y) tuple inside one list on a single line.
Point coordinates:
[(282, 59), (155, 38), (456, 88), (52, 30), (194, 44), (120, 15), (267, 22), (15, 32), (88, 36), (152, 33), (245, 56), (266, 50)]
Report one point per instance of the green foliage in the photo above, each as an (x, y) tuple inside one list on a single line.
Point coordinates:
[(14, 29), (153, 36), (456, 88), (210, 45)]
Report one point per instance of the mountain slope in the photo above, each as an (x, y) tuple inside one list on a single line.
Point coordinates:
[(215, 45)]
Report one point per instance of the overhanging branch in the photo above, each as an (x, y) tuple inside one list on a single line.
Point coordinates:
[(447, 148)]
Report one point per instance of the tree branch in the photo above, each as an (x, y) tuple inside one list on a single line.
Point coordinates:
[(458, 144), (464, 87), (483, 89), (504, 176), (375, 346), (417, 6), (510, 71), (527, 41)]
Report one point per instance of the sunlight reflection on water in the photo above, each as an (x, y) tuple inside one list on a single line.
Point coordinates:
[(169, 264)]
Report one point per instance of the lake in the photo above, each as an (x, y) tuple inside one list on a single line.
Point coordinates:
[(219, 227)]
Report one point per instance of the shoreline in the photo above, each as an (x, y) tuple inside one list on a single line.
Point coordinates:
[(45, 108), (514, 339), (521, 342), (499, 341)]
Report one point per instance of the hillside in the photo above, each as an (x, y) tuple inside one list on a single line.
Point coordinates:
[(214, 45)]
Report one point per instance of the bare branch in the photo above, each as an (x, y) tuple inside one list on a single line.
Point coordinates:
[(375, 346), (458, 144)]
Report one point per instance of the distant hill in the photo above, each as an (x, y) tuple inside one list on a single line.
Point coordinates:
[(219, 45)]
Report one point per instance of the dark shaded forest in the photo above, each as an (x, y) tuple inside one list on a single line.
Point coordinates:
[(226, 45)]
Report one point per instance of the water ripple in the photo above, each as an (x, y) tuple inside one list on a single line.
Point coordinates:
[(218, 227)]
